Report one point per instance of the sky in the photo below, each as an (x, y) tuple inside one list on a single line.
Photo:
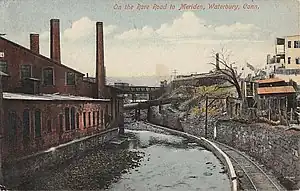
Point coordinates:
[(144, 42)]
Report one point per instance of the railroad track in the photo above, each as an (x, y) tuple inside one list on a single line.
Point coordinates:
[(251, 176)]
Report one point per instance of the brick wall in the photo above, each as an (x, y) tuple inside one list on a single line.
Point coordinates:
[(15, 56), (50, 111), (25, 167)]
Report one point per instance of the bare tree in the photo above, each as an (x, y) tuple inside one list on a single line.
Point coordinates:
[(227, 70)]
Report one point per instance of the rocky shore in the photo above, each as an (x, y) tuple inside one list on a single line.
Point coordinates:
[(95, 170)]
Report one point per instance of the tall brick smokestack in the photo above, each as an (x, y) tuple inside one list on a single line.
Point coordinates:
[(100, 69), (54, 40), (217, 62), (35, 43)]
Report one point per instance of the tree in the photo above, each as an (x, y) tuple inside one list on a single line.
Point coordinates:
[(228, 71)]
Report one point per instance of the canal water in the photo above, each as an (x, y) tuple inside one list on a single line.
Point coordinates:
[(146, 161), (171, 163)]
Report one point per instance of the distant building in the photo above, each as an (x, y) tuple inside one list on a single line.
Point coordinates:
[(161, 71), (285, 64)]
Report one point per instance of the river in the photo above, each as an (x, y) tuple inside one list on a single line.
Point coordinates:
[(146, 161), (171, 163)]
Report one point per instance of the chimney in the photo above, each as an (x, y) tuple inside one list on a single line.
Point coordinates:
[(35, 43), (87, 75), (100, 69), (54, 40), (217, 61)]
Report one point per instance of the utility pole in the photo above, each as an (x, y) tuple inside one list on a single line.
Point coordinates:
[(1, 128), (1, 124), (174, 73), (206, 108)]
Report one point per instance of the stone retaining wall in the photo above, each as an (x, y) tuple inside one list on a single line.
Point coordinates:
[(274, 147), (166, 119), (26, 166)]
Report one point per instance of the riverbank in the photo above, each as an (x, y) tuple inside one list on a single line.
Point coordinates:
[(93, 170)]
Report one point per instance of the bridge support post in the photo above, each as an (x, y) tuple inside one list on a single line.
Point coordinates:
[(133, 97), (159, 108), (135, 114), (138, 114), (149, 113), (121, 129)]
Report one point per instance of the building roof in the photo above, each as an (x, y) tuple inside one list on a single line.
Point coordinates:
[(270, 80), (48, 97), (41, 56), (276, 90)]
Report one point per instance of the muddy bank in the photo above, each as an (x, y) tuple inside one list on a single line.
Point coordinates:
[(94, 170)]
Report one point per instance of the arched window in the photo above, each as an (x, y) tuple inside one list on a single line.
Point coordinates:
[(12, 127), (102, 118), (94, 118), (89, 118), (37, 123), (77, 121), (98, 118), (84, 119), (61, 123), (26, 123), (67, 119), (73, 118)]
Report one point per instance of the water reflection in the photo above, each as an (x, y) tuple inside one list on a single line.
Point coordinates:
[(171, 163)]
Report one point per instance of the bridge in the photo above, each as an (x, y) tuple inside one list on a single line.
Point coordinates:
[(137, 107), (153, 92)]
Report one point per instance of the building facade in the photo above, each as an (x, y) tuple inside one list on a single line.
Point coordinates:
[(287, 51), (285, 64), (46, 103)]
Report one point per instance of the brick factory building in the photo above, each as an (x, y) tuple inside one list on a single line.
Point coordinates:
[(46, 103)]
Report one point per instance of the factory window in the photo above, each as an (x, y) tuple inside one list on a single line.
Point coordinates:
[(25, 71), (26, 125), (48, 76), (12, 126), (77, 121), (49, 128), (70, 78), (289, 60), (61, 123), (102, 118), (73, 118), (289, 44), (94, 118), (84, 119), (89, 118), (116, 108), (112, 107), (37, 123), (297, 60), (98, 118), (3, 66), (67, 118), (106, 115)]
